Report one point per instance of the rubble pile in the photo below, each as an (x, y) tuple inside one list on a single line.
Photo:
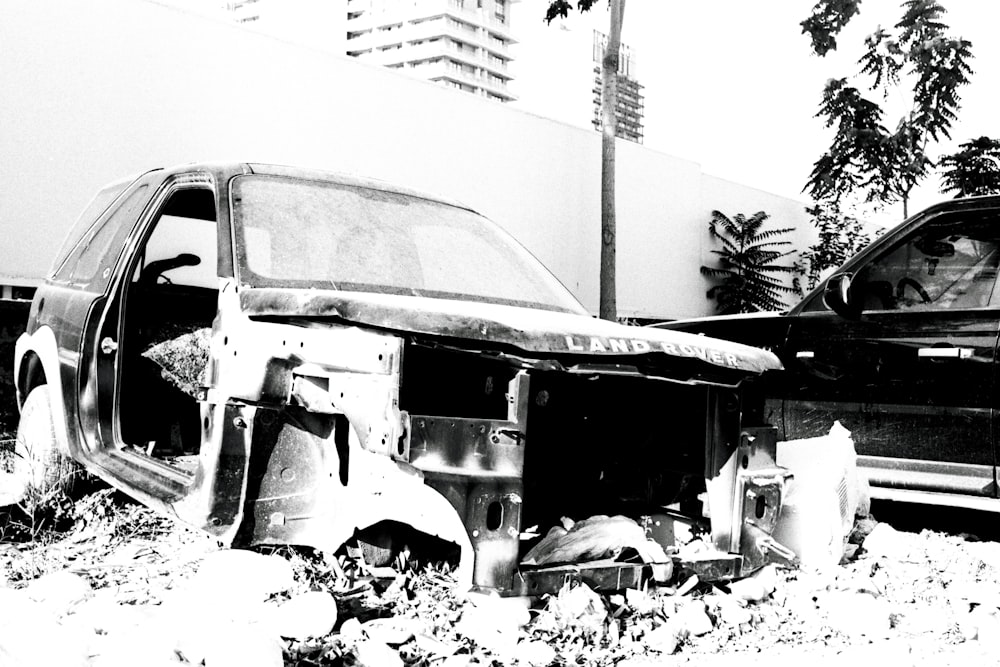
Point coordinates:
[(125, 587)]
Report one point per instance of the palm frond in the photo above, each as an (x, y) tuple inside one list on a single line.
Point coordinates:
[(747, 272)]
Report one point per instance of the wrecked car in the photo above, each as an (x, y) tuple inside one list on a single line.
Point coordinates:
[(282, 356), (900, 346)]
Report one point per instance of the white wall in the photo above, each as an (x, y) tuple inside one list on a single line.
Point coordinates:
[(90, 92)]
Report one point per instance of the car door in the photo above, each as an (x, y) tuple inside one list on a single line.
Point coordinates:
[(912, 376), (80, 286), (111, 352)]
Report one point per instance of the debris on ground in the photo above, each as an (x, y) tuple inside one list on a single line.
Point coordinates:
[(595, 538), (125, 586)]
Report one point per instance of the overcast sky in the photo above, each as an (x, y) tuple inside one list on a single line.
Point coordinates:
[(731, 84)]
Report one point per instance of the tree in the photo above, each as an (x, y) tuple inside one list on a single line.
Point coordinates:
[(865, 157), (747, 268), (973, 170), (609, 102), (840, 236)]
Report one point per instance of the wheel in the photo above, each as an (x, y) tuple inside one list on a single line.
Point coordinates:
[(40, 468)]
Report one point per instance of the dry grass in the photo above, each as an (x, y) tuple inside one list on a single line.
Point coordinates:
[(6, 451)]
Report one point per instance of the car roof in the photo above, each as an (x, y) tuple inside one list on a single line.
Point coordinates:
[(310, 174)]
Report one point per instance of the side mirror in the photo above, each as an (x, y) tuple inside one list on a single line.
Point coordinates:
[(838, 296)]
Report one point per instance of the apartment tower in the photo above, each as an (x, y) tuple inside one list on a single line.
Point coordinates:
[(462, 44), (631, 106)]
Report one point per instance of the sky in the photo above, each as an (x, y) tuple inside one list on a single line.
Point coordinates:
[(733, 86)]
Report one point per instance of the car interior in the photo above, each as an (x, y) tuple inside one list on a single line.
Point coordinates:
[(169, 307), (946, 266)]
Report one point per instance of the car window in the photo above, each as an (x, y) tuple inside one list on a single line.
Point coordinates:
[(293, 233), (183, 246), (91, 262), (95, 209), (949, 265)]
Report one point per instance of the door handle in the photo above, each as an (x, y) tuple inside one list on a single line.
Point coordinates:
[(805, 354), (945, 352), (108, 346)]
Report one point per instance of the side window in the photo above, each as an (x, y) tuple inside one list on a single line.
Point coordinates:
[(90, 264), (183, 248), (947, 265), (95, 209)]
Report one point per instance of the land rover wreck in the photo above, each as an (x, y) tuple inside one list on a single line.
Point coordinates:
[(282, 356)]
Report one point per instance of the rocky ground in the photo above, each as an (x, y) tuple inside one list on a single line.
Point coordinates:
[(119, 585)]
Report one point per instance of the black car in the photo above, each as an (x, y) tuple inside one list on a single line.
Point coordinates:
[(900, 345)]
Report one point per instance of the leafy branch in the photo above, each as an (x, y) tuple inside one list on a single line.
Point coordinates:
[(865, 156)]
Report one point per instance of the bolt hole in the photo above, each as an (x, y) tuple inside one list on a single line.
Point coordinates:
[(494, 516), (380, 357), (745, 462), (761, 507), (225, 340), (206, 423)]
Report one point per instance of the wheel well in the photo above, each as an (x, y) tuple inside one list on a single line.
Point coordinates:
[(32, 374)]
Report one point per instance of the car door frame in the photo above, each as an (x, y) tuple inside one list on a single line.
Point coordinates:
[(154, 481)]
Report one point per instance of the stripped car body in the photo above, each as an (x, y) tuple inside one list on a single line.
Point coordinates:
[(377, 362)]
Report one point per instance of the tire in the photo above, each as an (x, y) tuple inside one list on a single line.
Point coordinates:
[(41, 470)]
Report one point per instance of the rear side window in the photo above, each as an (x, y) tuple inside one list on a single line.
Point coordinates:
[(90, 263), (95, 209)]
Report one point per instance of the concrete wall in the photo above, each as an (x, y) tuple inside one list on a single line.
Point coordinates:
[(90, 92)]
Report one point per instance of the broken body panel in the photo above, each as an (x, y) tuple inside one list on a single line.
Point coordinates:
[(332, 414)]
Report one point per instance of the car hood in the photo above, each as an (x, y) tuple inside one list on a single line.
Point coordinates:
[(534, 332)]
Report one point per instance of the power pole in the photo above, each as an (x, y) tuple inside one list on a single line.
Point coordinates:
[(609, 122)]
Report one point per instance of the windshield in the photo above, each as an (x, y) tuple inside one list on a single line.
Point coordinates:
[(302, 234)]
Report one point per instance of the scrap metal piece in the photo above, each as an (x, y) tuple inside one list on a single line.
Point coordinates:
[(744, 501), (602, 575), (714, 566), (762, 494)]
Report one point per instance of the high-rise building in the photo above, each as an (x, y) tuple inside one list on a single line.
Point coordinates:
[(630, 107), (463, 44), (557, 73)]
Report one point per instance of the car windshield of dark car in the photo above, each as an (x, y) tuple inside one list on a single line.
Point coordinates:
[(312, 234)]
